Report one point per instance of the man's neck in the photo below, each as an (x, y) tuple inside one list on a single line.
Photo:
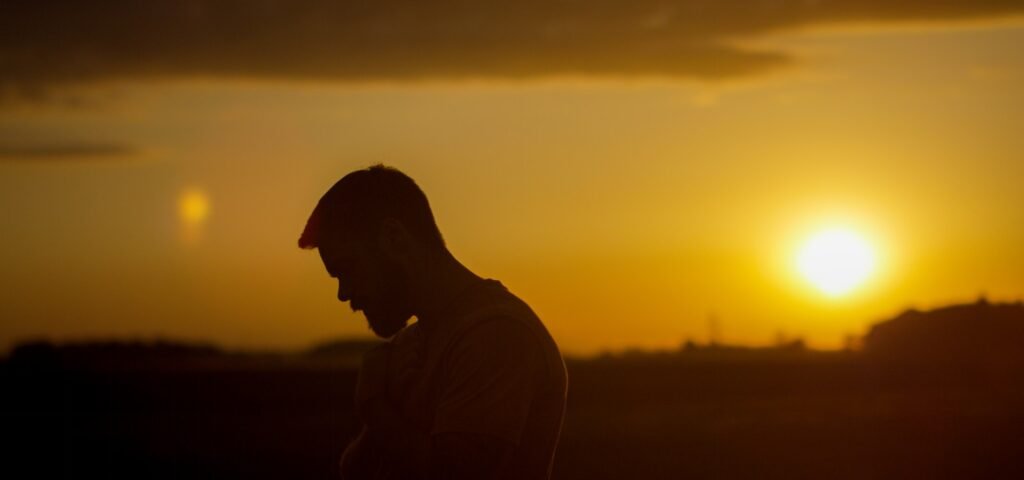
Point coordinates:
[(443, 278)]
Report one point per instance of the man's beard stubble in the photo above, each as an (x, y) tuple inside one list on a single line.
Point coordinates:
[(393, 310), (386, 324)]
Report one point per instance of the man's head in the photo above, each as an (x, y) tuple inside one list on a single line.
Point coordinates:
[(371, 228)]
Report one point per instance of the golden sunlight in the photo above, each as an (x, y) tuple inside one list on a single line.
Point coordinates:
[(836, 261)]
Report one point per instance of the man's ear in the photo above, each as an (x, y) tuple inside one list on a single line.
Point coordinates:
[(394, 239)]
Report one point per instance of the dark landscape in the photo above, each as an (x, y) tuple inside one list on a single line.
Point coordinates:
[(929, 395)]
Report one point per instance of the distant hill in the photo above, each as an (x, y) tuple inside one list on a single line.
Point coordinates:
[(343, 347), (112, 353), (180, 355), (980, 332)]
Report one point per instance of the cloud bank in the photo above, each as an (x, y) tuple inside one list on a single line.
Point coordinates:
[(47, 44), (66, 152)]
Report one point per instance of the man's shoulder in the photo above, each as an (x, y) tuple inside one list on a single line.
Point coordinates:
[(498, 329), (492, 311), (491, 300), (503, 325), (488, 311)]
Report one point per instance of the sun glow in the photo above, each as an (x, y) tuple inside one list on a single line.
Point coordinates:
[(836, 261)]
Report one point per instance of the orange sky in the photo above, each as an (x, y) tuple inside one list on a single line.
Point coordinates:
[(626, 201)]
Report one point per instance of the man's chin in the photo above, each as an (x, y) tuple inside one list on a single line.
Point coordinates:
[(386, 327)]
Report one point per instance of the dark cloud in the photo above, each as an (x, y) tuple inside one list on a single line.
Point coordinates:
[(50, 43), (66, 152)]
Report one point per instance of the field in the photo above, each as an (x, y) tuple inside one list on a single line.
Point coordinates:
[(707, 414)]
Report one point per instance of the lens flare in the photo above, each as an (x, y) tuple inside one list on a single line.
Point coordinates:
[(193, 210)]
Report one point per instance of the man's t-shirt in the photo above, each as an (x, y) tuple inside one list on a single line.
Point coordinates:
[(484, 364)]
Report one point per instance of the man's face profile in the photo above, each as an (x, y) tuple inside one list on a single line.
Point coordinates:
[(370, 282)]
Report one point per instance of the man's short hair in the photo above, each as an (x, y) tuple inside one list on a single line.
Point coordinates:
[(358, 204)]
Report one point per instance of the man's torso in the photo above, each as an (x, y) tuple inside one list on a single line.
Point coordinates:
[(486, 365)]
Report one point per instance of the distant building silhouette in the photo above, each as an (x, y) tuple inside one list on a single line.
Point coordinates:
[(981, 332)]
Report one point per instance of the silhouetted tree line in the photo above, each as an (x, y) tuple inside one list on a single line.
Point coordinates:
[(979, 332), (84, 353)]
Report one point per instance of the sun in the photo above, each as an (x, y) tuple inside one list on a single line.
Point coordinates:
[(836, 261)]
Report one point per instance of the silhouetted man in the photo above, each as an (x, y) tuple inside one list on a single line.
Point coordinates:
[(475, 388)]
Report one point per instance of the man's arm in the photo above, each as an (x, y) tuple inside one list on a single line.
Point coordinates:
[(442, 456), (466, 456), (363, 458), (490, 381), (359, 460)]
